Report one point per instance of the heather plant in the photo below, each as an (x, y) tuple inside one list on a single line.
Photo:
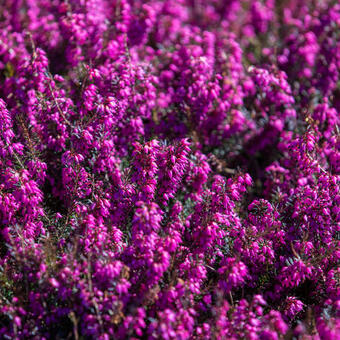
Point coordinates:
[(169, 169)]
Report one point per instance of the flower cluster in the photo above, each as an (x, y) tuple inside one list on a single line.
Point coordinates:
[(169, 169)]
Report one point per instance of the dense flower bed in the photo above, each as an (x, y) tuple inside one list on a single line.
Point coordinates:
[(169, 169)]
